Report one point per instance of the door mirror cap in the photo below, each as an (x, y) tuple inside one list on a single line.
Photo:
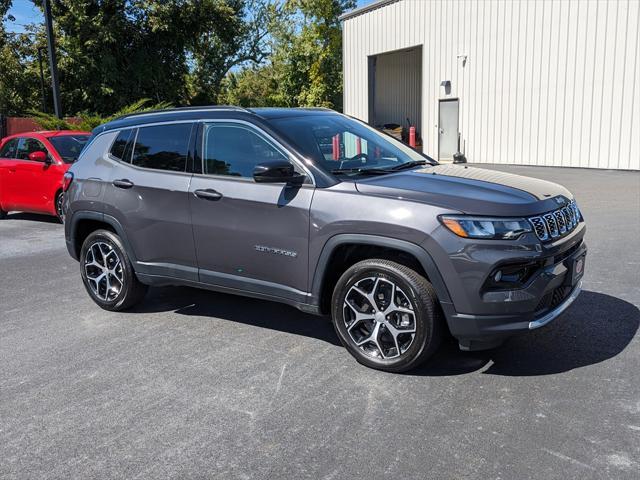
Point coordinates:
[(40, 156), (277, 172)]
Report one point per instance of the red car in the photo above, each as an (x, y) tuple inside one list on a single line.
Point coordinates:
[(32, 165)]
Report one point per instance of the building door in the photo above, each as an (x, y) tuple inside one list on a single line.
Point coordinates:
[(448, 128)]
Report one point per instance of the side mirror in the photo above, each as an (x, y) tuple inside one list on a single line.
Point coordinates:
[(277, 172), (40, 156)]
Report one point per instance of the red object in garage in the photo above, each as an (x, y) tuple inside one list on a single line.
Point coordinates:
[(31, 169), (412, 137), (336, 147)]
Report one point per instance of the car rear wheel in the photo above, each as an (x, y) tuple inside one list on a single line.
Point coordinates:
[(3, 214), (386, 315), (107, 272)]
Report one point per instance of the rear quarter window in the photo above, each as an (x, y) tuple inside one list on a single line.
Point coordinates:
[(119, 147)]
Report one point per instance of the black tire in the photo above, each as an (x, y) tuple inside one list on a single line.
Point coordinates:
[(3, 214), (59, 204), (423, 315), (131, 291)]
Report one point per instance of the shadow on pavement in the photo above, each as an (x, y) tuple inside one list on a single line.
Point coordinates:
[(235, 308), (597, 327), (33, 217)]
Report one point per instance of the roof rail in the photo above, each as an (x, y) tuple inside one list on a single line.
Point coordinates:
[(182, 109)]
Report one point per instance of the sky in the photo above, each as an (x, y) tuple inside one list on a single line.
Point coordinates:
[(25, 12)]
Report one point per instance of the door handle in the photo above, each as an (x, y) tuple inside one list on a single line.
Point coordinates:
[(123, 183), (208, 194)]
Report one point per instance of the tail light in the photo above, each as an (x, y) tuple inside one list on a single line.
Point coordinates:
[(66, 181)]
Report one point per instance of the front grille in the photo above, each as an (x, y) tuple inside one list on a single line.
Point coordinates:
[(552, 225), (539, 227)]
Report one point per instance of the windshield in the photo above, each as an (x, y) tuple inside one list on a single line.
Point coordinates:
[(346, 146), (69, 146)]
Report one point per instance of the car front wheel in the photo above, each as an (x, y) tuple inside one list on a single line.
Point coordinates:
[(107, 272), (386, 315), (60, 206)]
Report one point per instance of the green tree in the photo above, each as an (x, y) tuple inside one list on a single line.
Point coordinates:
[(310, 53), (305, 66), (19, 84), (89, 121), (113, 52), (251, 87)]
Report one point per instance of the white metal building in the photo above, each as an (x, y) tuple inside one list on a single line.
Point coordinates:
[(531, 82)]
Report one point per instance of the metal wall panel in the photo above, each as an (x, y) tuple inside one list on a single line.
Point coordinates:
[(545, 82)]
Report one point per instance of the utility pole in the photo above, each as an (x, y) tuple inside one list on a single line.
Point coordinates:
[(42, 91), (52, 59)]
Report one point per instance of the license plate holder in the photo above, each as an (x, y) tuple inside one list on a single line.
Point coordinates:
[(577, 269)]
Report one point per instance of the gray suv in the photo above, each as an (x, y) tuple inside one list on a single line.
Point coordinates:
[(320, 211)]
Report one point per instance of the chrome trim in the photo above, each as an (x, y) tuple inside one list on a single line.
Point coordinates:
[(560, 221), (553, 314), (557, 223), (552, 226), (539, 227)]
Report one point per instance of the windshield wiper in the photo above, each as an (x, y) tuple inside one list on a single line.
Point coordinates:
[(382, 171), (408, 165), (361, 171)]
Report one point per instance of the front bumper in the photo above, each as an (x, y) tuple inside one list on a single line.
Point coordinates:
[(479, 332), (502, 314)]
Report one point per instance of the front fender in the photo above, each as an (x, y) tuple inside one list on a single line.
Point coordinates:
[(418, 252)]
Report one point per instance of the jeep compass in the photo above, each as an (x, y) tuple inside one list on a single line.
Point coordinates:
[(320, 211)]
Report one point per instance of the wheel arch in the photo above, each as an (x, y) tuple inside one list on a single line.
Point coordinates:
[(330, 263), (84, 222)]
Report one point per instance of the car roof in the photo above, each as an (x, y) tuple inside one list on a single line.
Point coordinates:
[(197, 113), (62, 133), (46, 134)]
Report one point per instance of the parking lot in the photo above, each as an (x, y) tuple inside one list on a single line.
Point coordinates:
[(195, 384)]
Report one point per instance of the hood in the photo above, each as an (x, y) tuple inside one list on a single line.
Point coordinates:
[(470, 190)]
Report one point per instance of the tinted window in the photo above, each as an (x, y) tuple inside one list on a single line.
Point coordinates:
[(162, 147), (235, 150), (69, 146), (27, 146), (118, 147), (9, 149)]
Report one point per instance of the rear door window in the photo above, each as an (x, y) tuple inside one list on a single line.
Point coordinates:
[(9, 149), (162, 147)]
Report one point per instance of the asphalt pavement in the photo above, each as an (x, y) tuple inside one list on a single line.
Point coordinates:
[(195, 384)]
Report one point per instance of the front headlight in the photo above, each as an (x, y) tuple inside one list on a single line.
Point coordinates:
[(486, 228)]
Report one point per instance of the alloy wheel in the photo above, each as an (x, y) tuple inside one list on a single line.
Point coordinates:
[(379, 318), (103, 270), (60, 206)]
